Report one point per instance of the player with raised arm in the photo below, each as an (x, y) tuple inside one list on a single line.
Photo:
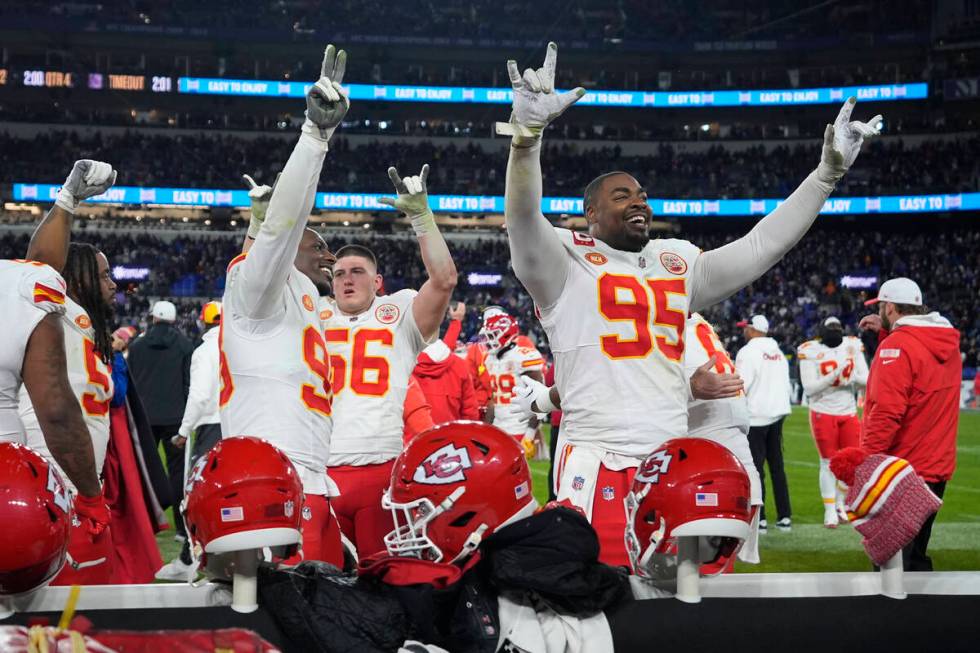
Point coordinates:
[(275, 374), (506, 362), (52, 349), (832, 369), (615, 303), (374, 341)]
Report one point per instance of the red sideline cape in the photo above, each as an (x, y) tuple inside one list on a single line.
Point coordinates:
[(137, 557)]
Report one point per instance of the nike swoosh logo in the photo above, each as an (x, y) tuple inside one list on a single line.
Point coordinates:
[(887, 362)]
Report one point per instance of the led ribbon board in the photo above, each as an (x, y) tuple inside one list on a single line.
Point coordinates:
[(605, 98), (495, 203)]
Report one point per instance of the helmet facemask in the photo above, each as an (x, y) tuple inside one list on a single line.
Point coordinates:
[(410, 537)]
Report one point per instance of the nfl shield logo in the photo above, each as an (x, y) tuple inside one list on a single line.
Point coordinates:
[(288, 509), (608, 493), (578, 482), (643, 262), (307, 513)]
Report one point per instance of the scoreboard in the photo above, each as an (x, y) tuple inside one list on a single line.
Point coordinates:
[(37, 78)]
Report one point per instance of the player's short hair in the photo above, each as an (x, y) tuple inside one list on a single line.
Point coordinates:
[(357, 250), (910, 309), (592, 189)]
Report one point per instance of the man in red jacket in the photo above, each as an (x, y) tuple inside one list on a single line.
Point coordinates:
[(913, 395), (445, 377)]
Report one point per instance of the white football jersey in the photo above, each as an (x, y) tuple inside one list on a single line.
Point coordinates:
[(91, 381), (275, 375), (706, 417), (817, 359), (617, 335), (372, 356), (504, 370), (28, 292)]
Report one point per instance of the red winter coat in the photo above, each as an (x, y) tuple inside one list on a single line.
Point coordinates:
[(913, 398), (448, 387)]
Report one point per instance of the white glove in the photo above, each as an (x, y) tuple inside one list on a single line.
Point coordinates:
[(535, 102), (259, 197), (842, 142), (87, 179), (412, 200), (529, 394), (326, 101)]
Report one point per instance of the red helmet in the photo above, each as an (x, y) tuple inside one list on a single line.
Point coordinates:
[(452, 486), (244, 494), (687, 486), (500, 330), (35, 509)]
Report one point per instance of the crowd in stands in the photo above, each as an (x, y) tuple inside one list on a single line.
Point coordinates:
[(218, 161), (804, 288), (593, 20)]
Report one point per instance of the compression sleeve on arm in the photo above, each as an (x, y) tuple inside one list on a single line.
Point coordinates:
[(270, 260), (536, 253), (721, 272)]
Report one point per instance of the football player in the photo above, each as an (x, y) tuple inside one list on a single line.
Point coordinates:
[(506, 363), (832, 370), (57, 345), (615, 303), (275, 374), (374, 340)]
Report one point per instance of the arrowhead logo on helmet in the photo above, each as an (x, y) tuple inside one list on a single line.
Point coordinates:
[(444, 465)]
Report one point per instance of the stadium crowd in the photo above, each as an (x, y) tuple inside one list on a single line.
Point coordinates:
[(801, 290), (217, 161), (671, 21)]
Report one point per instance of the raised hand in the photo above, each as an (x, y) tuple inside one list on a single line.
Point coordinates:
[(536, 104), (413, 199), (327, 102), (842, 142), (87, 179)]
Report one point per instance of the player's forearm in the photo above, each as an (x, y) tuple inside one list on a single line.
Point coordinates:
[(431, 303), (726, 270), (66, 436), (813, 383), (535, 251), (49, 243), (271, 257), (451, 336)]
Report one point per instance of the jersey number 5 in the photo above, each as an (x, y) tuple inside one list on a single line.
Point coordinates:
[(626, 299), (98, 375), (362, 366)]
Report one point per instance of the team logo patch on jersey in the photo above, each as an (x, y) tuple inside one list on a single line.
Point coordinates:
[(707, 499), (445, 465), (83, 322), (307, 302), (673, 262), (326, 314), (889, 353), (583, 239), (232, 514), (387, 313), (595, 258), (608, 493), (578, 482)]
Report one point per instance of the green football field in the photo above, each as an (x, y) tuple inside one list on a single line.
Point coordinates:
[(809, 547)]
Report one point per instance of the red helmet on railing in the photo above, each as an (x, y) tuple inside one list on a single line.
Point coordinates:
[(244, 494), (35, 513), (687, 486), (453, 486)]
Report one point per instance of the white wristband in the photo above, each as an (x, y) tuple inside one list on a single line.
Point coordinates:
[(544, 404), (424, 223)]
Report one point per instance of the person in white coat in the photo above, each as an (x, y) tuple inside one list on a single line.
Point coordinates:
[(201, 418), (765, 372)]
